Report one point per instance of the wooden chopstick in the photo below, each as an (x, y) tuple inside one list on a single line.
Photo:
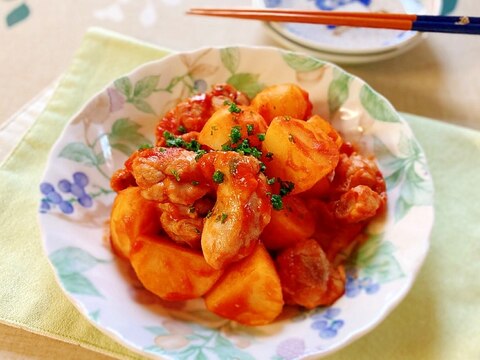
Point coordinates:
[(424, 23)]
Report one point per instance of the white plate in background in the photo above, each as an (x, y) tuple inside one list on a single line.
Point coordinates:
[(347, 44)]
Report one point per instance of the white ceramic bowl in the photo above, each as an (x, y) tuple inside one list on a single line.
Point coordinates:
[(76, 203), (345, 44)]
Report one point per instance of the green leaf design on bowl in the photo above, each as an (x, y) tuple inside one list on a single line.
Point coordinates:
[(81, 153), (136, 94), (197, 342), (70, 263), (246, 83), (338, 90), (302, 63), (376, 259), (376, 106), (403, 169), (18, 14), (230, 58)]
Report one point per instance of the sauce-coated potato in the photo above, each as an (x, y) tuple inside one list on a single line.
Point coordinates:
[(300, 155), (131, 216), (282, 100), (294, 222), (319, 124), (171, 271), (249, 292), (218, 128)]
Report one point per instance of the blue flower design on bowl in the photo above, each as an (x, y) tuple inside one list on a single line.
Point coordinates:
[(53, 197), (327, 323), (334, 4), (355, 285)]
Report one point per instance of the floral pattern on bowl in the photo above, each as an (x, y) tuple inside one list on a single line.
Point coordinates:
[(75, 203)]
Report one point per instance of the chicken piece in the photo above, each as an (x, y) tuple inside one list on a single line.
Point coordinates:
[(360, 203), (122, 179), (191, 114), (357, 170), (308, 278), (337, 238), (184, 224), (168, 175), (242, 208)]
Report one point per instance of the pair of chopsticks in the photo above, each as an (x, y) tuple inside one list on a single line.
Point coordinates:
[(424, 23)]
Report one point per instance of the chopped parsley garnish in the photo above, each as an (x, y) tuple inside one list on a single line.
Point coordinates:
[(286, 187), (232, 107), (222, 218), (249, 129), (173, 141), (181, 129), (176, 141), (242, 147), (269, 155), (261, 136), (191, 209), (209, 213), (271, 181), (218, 176), (263, 167), (145, 146), (200, 153), (277, 202), (175, 174), (235, 134), (245, 149)]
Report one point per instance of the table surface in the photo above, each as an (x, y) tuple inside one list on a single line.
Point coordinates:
[(439, 78)]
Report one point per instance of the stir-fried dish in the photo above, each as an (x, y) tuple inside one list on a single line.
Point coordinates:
[(250, 204)]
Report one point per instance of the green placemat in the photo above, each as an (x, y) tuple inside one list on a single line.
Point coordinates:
[(439, 319)]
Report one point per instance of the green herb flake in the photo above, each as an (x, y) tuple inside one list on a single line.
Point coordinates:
[(232, 107), (263, 167), (218, 177), (199, 154), (222, 218), (209, 214), (227, 147), (277, 202), (271, 181), (175, 174), (145, 146), (286, 187), (261, 136), (249, 129), (213, 128), (269, 155), (181, 129), (235, 134), (193, 145), (176, 141)]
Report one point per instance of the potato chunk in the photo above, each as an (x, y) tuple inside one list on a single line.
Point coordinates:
[(284, 99), (170, 271), (218, 129), (249, 292), (293, 223), (319, 124), (300, 155), (131, 216)]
